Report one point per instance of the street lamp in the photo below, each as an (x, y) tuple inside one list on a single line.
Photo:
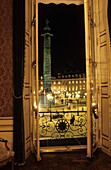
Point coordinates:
[(77, 98), (50, 98)]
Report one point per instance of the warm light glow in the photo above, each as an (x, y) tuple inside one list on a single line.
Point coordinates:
[(49, 97), (41, 88), (41, 82), (93, 104), (69, 94), (35, 106), (77, 96)]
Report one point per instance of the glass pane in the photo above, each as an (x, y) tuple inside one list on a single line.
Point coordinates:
[(34, 104), (94, 105), (94, 84), (62, 80), (34, 93)]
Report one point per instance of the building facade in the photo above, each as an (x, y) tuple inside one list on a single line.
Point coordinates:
[(69, 83)]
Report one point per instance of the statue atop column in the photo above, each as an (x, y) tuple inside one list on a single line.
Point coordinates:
[(47, 57)]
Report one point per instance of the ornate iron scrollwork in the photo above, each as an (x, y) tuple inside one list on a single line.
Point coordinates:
[(62, 125)]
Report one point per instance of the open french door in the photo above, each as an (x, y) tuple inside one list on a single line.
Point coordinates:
[(98, 75), (35, 79), (92, 81), (27, 80), (104, 74)]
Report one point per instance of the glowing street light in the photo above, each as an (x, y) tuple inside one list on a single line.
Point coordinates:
[(49, 97)]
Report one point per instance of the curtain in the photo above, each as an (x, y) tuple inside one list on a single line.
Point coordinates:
[(77, 2), (18, 76)]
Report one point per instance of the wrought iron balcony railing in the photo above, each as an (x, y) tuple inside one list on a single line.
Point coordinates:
[(62, 124)]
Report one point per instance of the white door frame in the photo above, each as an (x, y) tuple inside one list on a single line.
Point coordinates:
[(87, 46)]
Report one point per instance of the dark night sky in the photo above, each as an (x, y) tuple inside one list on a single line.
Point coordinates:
[(68, 42)]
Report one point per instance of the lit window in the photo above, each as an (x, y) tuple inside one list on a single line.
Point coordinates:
[(80, 87), (65, 76), (69, 75), (83, 75), (69, 89), (69, 82), (84, 81), (80, 82), (59, 82), (41, 78), (62, 76), (72, 82), (80, 75), (72, 75), (76, 82), (73, 88), (83, 86), (76, 88), (54, 82)]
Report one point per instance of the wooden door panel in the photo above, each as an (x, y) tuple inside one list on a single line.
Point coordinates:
[(105, 117), (27, 9), (27, 127), (105, 143), (104, 74), (102, 16), (104, 64), (27, 78), (27, 64)]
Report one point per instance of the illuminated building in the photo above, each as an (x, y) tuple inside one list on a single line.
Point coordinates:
[(70, 83)]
